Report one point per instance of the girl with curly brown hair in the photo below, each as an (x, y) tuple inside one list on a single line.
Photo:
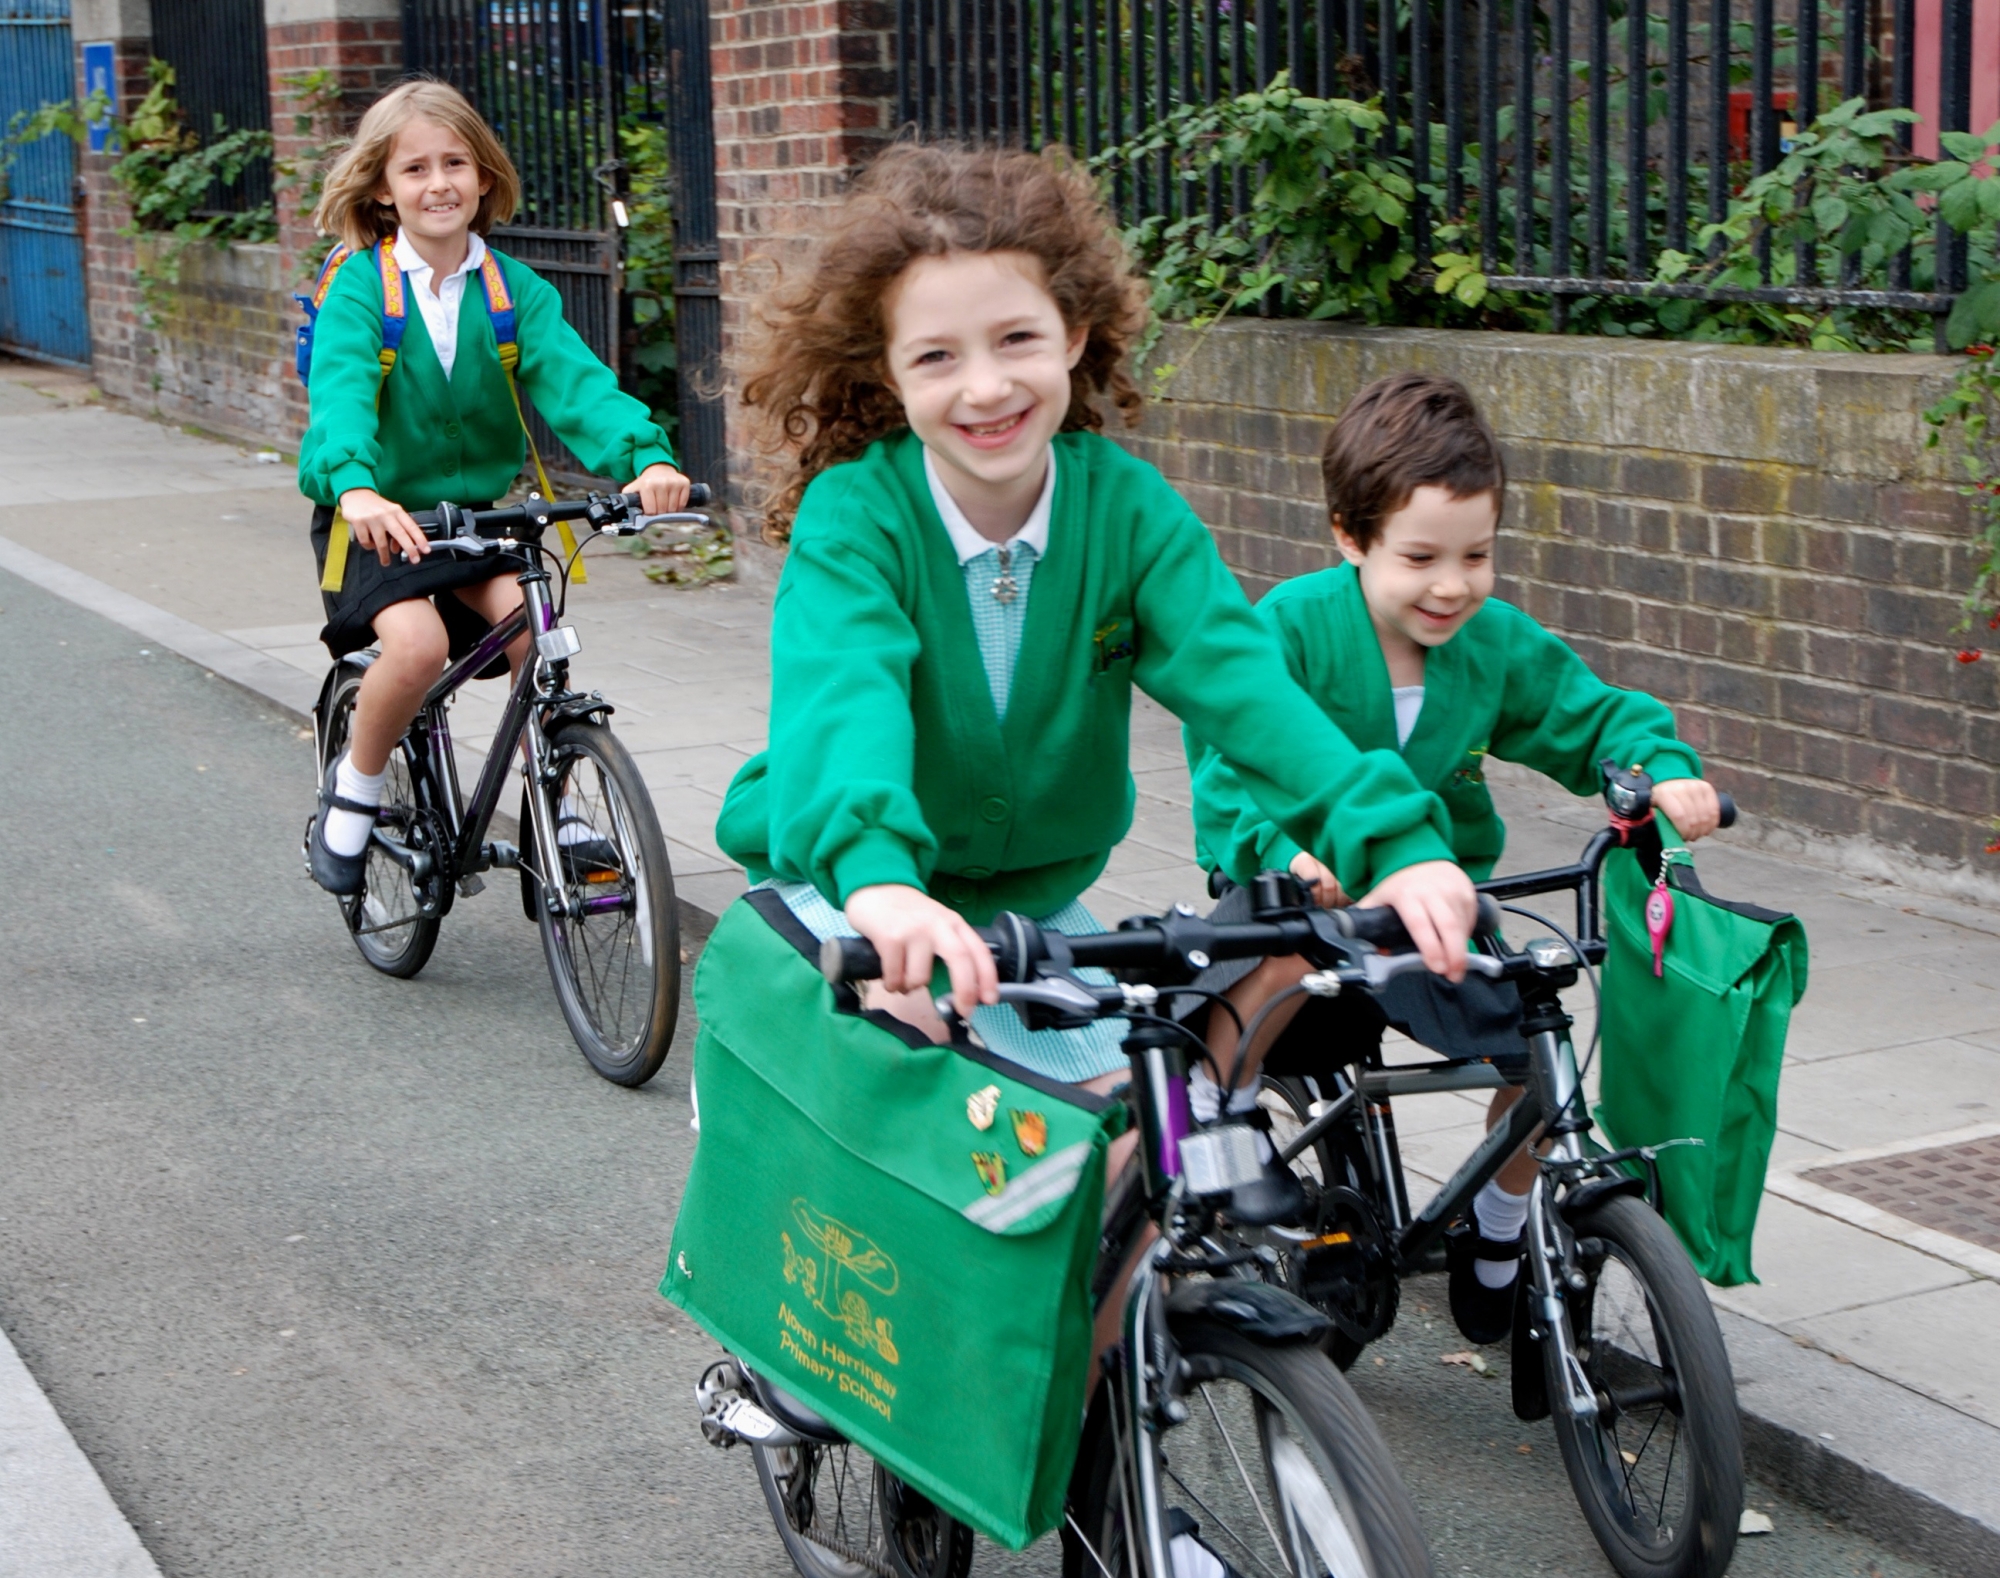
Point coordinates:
[(977, 579)]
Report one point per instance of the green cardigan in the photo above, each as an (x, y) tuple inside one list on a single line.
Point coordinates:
[(887, 762), (433, 439), (1503, 686)]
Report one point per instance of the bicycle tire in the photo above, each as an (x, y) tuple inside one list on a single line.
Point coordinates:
[(617, 980), (1699, 1463), (884, 1527), (386, 919), (1327, 1473)]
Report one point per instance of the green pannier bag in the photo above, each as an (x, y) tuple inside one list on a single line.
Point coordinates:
[(1694, 1053), (899, 1234)]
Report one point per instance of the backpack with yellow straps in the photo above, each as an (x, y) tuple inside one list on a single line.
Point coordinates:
[(395, 318)]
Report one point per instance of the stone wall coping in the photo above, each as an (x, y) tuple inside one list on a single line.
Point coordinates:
[(1843, 413), (94, 21), (286, 13), (253, 265)]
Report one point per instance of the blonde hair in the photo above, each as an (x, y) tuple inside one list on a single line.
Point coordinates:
[(348, 207)]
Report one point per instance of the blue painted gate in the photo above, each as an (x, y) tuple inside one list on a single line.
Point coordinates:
[(43, 312)]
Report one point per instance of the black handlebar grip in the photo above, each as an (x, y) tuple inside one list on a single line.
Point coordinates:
[(849, 959), (1384, 927), (1728, 808), (700, 496)]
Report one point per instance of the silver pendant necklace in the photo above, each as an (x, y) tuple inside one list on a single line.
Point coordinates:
[(1005, 587)]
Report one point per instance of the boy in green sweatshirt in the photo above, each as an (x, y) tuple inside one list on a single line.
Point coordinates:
[(1404, 646)]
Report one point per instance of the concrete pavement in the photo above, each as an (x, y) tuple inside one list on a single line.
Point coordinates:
[(1865, 1359)]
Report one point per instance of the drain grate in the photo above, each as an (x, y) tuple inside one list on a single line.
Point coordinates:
[(1954, 1189)]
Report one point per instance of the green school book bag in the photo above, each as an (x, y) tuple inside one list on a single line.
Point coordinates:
[(899, 1234), (1693, 1053)]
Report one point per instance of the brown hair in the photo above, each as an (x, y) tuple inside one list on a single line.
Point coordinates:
[(1401, 433), (347, 204), (818, 372)]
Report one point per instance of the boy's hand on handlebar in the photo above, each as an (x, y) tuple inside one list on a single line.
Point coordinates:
[(382, 527), (1324, 885), (1438, 907), (661, 490), (910, 929), (1691, 805)]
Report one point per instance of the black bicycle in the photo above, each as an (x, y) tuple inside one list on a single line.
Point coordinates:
[(1614, 1338), (593, 863), (1220, 1419)]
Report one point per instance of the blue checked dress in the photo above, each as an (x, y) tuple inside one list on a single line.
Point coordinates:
[(1069, 1055)]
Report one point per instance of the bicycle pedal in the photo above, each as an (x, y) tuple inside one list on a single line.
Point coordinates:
[(470, 885)]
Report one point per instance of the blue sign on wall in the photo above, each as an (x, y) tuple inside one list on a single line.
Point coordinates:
[(100, 75)]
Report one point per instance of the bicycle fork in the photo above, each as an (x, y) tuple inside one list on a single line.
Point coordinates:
[(1551, 1268)]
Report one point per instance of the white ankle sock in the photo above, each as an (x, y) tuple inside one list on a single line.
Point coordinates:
[(572, 824), (1500, 1216), (346, 832), (1192, 1559), (1205, 1102)]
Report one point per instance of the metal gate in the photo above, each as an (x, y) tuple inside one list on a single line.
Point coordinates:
[(557, 78), (43, 310)]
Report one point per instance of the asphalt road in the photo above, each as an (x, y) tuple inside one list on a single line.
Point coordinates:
[(338, 1276)]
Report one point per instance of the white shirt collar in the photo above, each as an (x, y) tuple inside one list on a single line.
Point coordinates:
[(412, 263), (966, 541)]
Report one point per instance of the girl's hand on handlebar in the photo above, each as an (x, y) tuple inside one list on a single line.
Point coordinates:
[(1438, 907), (382, 527), (1324, 885), (910, 929), (1691, 805), (661, 489)]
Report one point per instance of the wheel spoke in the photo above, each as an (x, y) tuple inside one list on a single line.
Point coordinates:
[(1242, 1473)]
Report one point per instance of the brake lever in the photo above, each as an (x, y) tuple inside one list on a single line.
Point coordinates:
[(681, 520), (1381, 968)]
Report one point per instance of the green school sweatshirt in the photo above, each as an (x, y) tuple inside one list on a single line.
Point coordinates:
[(1503, 686), (887, 762), (433, 439)]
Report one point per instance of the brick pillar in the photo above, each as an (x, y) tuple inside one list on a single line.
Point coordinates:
[(804, 96), (361, 43), (117, 356)]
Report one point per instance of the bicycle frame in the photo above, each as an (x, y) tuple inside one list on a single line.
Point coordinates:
[(1548, 1067), (538, 686)]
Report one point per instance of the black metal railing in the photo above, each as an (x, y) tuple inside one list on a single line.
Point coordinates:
[(1574, 140), (557, 79), (217, 50)]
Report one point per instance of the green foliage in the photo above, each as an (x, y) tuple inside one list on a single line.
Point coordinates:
[(317, 101), (649, 272), (1324, 234), (166, 172)]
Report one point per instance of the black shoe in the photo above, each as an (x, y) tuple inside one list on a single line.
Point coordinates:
[(1483, 1314), (585, 850), (1277, 1196), (344, 875)]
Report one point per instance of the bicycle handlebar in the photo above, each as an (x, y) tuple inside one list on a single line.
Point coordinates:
[(531, 517), (1018, 945)]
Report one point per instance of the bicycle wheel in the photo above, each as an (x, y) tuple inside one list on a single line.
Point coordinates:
[(843, 1515), (393, 919), (1277, 1469), (615, 957), (1659, 1469)]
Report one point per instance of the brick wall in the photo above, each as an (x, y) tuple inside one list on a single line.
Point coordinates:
[(802, 99), (1756, 536), (220, 354)]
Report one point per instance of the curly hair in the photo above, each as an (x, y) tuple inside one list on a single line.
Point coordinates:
[(818, 372)]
